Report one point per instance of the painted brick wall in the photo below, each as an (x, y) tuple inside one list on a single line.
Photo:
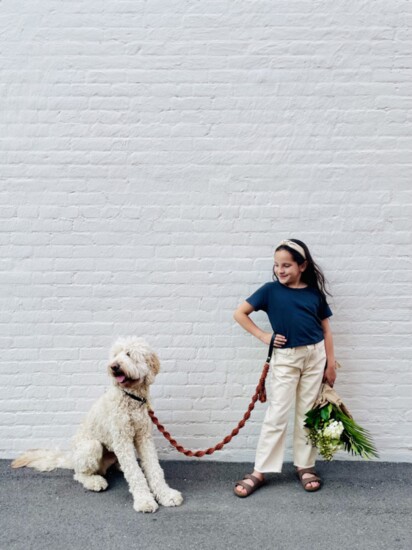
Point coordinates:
[(153, 154)]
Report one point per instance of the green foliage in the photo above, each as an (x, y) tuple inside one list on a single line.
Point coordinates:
[(356, 440), (353, 439)]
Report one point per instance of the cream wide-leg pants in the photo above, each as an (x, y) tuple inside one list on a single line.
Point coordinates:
[(293, 372)]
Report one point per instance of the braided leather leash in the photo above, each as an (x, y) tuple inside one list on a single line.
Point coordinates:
[(260, 394)]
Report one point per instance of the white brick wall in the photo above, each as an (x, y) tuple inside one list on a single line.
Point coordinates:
[(153, 153)]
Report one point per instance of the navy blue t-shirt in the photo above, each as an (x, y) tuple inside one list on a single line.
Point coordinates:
[(296, 313)]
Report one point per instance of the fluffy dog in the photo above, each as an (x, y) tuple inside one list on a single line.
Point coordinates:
[(115, 428)]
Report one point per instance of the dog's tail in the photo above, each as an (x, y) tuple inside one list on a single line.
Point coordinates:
[(44, 460)]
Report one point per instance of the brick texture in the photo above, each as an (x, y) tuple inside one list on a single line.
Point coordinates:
[(152, 155)]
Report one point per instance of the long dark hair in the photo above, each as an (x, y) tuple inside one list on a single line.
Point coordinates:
[(313, 275)]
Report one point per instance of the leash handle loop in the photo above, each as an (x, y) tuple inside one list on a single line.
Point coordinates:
[(272, 342)]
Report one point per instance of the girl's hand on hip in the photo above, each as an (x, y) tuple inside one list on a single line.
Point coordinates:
[(280, 340)]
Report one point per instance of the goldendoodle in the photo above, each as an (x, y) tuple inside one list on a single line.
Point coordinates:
[(117, 425)]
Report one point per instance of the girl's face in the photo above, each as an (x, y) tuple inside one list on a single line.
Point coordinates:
[(287, 270)]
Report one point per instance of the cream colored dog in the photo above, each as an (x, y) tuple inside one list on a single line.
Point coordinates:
[(115, 428)]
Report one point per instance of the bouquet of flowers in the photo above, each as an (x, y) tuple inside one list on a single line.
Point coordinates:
[(331, 427)]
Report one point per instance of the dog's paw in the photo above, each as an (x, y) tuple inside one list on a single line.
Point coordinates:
[(171, 497), (99, 484), (145, 504), (92, 482)]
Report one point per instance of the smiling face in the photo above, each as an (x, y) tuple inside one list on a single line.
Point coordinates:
[(287, 270), (132, 363)]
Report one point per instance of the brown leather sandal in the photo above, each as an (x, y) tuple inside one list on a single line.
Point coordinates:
[(249, 488), (310, 479)]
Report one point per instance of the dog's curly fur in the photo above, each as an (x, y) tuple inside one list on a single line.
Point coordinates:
[(114, 429)]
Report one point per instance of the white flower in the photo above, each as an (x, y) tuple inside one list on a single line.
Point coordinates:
[(333, 430)]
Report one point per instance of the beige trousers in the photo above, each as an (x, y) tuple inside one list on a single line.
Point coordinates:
[(293, 372)]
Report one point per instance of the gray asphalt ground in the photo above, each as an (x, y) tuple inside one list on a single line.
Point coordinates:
[(361, 505)]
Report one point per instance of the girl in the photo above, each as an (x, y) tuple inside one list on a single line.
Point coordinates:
[(298, 313)]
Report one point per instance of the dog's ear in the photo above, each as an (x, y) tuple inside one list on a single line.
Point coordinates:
[(153, 363)]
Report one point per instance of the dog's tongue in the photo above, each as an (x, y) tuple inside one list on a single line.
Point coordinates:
[(120, 378)]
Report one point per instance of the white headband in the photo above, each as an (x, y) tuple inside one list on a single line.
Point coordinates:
[(293, 245)]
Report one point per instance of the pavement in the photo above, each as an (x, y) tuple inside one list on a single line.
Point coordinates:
[(361, 505)]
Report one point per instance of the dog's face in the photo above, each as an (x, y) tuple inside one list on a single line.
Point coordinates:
[(132, 363)]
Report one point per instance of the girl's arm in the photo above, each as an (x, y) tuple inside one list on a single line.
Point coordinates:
[(330, 371), (241, 315)]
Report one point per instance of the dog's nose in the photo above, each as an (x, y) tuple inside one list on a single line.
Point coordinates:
[(115, 368)]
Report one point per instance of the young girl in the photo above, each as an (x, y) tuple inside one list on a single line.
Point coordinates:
[(302, 358)]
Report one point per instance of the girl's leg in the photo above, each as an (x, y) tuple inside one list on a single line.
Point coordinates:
[(307, 391), (271, 445), (282, 381)]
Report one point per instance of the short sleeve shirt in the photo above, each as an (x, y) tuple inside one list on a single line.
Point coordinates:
[(296, 313)]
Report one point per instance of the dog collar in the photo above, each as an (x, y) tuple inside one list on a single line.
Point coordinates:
[(136, 397)]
